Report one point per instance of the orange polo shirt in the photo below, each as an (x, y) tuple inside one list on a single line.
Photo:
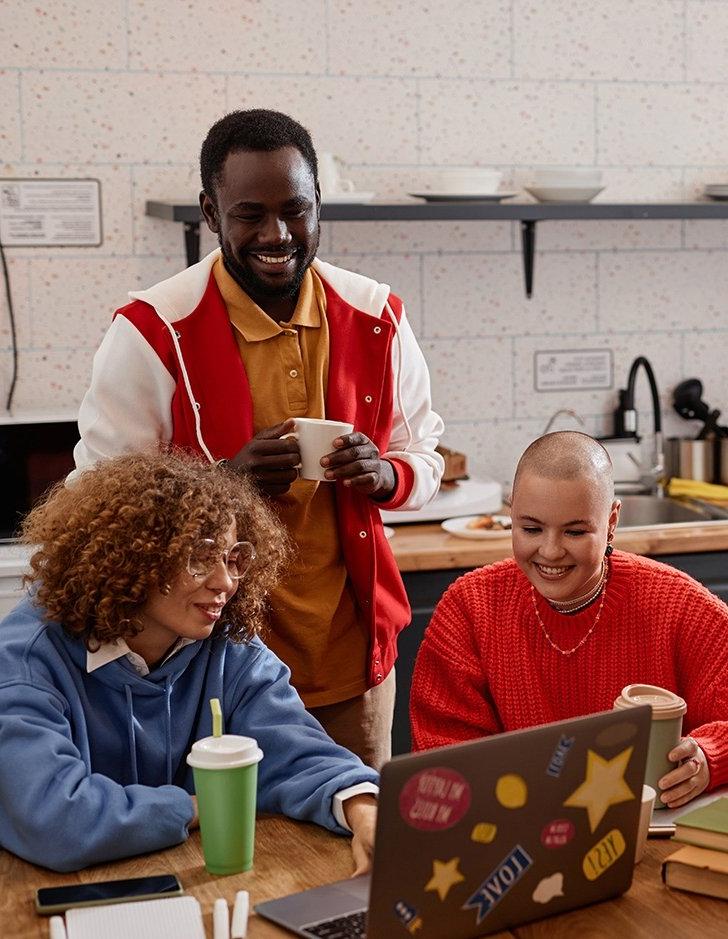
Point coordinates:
[(316, 627)]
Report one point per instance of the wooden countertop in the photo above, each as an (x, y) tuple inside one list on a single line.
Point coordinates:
[(426, 547)]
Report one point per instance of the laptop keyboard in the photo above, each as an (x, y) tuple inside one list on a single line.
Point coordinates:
[(351, 926)]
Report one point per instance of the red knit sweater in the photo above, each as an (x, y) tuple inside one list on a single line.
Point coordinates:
[(485, 665)]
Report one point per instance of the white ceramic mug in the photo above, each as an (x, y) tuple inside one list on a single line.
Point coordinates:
[(316, 439), (646, 805), (329, 175)]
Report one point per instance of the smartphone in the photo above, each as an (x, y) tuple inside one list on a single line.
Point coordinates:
[(58, 899)]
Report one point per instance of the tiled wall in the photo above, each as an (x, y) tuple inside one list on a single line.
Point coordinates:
[(124, 90)]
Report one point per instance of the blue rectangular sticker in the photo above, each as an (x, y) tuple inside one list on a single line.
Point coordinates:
[(497, 884)]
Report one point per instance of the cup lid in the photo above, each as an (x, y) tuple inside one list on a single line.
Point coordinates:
[(665, 704), (227, 751)]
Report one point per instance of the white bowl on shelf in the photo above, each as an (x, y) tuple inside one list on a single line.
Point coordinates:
[(564, 193), (567, 177), (474, 179)]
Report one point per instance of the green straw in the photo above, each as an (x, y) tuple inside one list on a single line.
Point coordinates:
[(216, 717)]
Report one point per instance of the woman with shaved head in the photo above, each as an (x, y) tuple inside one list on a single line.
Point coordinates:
[(559, 629)]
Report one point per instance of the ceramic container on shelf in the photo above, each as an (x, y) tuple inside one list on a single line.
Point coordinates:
[(474, 180)]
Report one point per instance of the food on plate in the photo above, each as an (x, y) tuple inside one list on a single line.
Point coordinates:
[(490, 523)]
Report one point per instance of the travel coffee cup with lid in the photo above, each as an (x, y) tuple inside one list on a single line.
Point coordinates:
[(665, 731)]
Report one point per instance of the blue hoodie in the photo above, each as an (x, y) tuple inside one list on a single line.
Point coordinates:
[(92, 766)]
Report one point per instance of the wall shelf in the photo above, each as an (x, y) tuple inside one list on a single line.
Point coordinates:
[(527, 213)]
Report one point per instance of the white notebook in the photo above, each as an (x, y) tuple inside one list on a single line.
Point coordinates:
[(170, 918)]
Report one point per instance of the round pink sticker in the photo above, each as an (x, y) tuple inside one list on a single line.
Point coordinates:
[(557, 833), (434, 799)]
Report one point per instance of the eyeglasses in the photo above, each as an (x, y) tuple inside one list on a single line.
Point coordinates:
[(204, 557)]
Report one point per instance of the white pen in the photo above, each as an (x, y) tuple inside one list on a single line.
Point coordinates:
[(57, 928), (220, 919), (240, 915)]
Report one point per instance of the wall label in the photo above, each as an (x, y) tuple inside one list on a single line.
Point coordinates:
[(45, 212), (573, 370)]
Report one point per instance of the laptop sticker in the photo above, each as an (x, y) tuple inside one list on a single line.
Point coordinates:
[(511, 791), (498, 883), (484, 832), (557, 833), (407, 915), (549, 888), (434, 799), (558, 759), (615, 734), (603, 786), (604, 853), (445, 875)]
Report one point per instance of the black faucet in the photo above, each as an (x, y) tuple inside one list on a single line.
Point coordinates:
[(625, 419)]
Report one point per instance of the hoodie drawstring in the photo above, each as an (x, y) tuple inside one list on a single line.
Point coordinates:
[(132, 733), (168, 722)]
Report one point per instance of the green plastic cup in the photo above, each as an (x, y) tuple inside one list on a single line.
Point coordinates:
[(225, 771), (665, 730)]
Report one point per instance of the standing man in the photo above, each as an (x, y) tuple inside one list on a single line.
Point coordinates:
[(219, 359)]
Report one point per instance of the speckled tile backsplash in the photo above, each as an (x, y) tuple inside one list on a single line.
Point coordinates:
[(124, 91)]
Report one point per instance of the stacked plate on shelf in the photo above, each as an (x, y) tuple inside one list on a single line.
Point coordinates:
[(717, 191), (566, 184), (472, 184)]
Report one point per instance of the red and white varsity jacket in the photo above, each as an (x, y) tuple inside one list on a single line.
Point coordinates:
[(168, 371)]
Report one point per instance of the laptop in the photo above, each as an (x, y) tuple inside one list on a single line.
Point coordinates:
[(481, 836)]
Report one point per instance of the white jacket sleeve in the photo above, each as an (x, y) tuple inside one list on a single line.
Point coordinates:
[(416, 428), (128, 404)]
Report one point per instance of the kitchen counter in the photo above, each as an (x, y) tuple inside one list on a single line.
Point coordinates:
[(426, 547)]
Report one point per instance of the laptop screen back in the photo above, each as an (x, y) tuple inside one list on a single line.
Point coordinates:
[(480, 836)]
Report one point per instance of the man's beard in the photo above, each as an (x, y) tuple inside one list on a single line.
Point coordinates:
[(258, 289)]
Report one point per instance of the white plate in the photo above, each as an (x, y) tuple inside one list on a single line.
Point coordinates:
[(462, 196), (459, 527), (388, 532), (564, 193), (346, 198)]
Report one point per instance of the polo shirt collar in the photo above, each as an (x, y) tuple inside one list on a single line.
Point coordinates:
[(251, 321)]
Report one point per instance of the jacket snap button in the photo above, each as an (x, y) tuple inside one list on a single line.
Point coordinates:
[(178, 334), (197, 405), (378, 676), (368, 399), (377, 329), (293, 373), (362, 534)]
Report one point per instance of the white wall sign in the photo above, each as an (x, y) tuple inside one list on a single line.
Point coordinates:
[(573, 369), (45, 212)]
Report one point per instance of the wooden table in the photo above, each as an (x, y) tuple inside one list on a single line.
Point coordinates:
[(291, 856)]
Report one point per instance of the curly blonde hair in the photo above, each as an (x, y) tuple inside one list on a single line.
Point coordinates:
[(128, 525)]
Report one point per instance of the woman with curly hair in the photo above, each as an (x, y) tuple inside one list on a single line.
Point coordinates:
[(149, 594)]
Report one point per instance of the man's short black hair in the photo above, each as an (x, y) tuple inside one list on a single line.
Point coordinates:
[(257, 129)]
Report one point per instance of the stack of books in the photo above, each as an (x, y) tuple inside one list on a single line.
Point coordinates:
[(702, 866)]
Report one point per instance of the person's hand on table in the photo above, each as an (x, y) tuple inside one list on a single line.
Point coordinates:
[(689, 779), (270, 459), (355, 462), (361, 816)]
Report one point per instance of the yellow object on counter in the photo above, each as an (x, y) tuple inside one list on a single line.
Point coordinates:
[(694, 488)]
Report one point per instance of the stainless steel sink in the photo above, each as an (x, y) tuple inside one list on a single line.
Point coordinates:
[(638, 511)]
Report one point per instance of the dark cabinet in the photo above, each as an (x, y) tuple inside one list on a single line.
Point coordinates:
[(424, 589)]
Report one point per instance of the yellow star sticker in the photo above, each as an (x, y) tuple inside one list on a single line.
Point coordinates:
[(604, 786), (444, 876)]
